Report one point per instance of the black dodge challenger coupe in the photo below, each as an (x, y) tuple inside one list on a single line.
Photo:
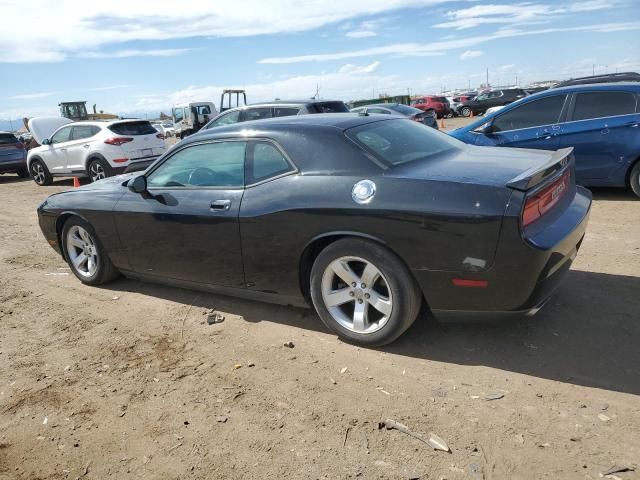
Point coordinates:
[(366, 217)]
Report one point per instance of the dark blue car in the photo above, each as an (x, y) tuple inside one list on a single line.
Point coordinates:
[(13, 157), (600, 121)]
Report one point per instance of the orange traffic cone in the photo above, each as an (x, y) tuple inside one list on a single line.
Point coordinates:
[(471, 116), (442, 127), (76, 182)]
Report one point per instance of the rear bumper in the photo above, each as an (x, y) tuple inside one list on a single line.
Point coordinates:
[(10, 166), (138, 165), (524, 273)]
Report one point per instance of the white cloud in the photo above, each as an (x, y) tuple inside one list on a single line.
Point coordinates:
[(505, 68), (57, 30), (167, 52), (360, 34), (351, 68), (365, 30), (495, 14), (471, 54), (30, 96), (441, 47)]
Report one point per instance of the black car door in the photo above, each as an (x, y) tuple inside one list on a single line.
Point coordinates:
[(186, 226)]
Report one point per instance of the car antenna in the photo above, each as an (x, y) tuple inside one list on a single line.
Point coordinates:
[(364, 113)]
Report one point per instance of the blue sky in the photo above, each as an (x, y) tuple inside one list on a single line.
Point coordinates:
[(143, 56)]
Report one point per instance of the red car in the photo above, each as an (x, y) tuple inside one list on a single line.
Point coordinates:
[(438, 104)]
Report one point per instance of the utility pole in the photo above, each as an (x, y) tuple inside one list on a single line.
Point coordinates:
[(11, 124), (487, 78), (593, 69)]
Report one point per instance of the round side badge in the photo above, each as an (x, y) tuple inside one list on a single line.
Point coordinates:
[(363, 191)]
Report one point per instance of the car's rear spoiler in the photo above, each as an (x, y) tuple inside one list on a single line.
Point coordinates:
[(534, 176)]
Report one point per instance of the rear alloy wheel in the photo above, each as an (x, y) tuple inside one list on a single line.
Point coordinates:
[(84, 253), (465, 111), (634, 179), (363, 292), (40, 173), (98, 169)]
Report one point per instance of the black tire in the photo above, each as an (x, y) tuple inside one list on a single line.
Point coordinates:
[(105, 270), (97, 167), (23, 173), (406, 297), (40, 173), (634, 179), (465, 111)]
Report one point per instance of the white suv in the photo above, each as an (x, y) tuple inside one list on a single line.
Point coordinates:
[(93, 149)]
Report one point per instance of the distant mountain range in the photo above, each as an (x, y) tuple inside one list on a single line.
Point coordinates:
[(11, 125)]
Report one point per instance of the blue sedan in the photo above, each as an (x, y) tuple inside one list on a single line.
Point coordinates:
[(600, 121)]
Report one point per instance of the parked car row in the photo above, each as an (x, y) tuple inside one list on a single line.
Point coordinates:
[(600, 122), (427, 117)]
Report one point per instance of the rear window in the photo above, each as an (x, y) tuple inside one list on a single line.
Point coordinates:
[(603, 104), (400, 141), (285, 111), (7, 139), (133, 128), (328, 107), (405, 110)]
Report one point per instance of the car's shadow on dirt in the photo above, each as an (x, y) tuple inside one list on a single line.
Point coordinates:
[(613, 194), (588, 334), (12, 178)]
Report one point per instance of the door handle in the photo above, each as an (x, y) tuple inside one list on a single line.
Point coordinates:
[(634, 125), (63, 149), (86, 145), (220, 205)]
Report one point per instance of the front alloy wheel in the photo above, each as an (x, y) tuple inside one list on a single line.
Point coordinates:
[(465, 112), (82, 251), (40, 173), (85, 254)]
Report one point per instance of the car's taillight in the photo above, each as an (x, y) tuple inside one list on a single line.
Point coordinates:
[(118, 140), (160, 136), (540, 203)]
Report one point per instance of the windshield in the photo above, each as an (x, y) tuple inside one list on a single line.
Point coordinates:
[(400, 141), (405, 110), (328, 107)]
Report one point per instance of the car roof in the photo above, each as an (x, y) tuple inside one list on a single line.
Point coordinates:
[(383, 105), (596, 86), (339, 121), (280, 103)]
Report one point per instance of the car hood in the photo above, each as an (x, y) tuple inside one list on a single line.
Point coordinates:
[(43, 127), (492, 166), (109, 183)]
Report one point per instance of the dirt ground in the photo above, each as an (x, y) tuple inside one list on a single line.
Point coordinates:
[(129, 380)]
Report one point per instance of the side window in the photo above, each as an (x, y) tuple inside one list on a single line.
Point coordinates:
[(178, 114), (61, 135), (219, 164), (265, 161), (84, 131), (226, 119), (545, 111), (603, 104), (496, 94), (285, 111), (255, 114), (204, 110)]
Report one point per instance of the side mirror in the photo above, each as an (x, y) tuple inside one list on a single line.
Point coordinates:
[(138, 184), (46, 141), (485, 128)]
